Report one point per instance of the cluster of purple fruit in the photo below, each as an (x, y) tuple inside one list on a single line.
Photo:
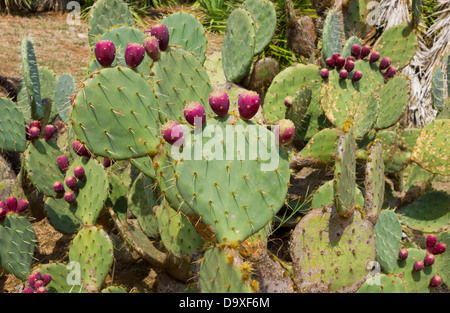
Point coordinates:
[(33, 131), (156, 40), (434, 249), (12, 206), (37, 282), (219, 101)]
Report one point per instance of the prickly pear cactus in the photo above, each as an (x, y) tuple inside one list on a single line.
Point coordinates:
[(388, 235), (12, 136), (331, 37)]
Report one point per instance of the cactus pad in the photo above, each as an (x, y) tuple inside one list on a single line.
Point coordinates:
[(12, 123), (382, 283), (374, 182), (331, 36), (60, 216), (65, 87), (388, 235), (393, 99)]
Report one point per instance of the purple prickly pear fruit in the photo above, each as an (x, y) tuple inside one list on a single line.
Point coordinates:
[(429, 259), (46, 278), (219, 102), (34, 276), (11, 204), (356, 51), (288, 101), (34, 133), (151, 45), (41, 290), (285, 131), (385, 63), (107, 162), (418, 266), (49, 131), (374, 57), (80, 149), (403, 254), (357, 75), (330, 62), (36, 124), (365, 51), (38, 284), (343, 74), (439, 248), (324, 73), (161, 32), (58, 187), (431, 242), (248, 104), (72, 183), (173, 133), (134, 54), (435, 281), (22, 206), (335, 56), (340, 62), (28, 290), (63, 163), (105, 52), (349, 66), (79, 173), (350, 59), (3, 211), (194, 113), (390, 72), (70, 198)]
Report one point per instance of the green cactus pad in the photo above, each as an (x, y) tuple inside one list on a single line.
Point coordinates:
[(65, 87), (93, 250), (145, 165), (382, 283), (179, 79), (371, 80), (177, 233), (115, 114), (187, 33), (61, 216), (214, 69), (31, 78), (359, 16), (324, 195), (416, 282), (238, 46), (17, 241), (12, 123), (429, 213), (438, 88), (121, 37), (106, 14), (330, 253), (388, 235), (296, 113), (322, 147), (331, 35), (234, 191), (141, 200), (92, 193), (287, 83), (118, 194), (399, 44), (265, 19), (220, 272), (65, 278), (42, 167), (393, 100), (347, 50), (374, 182), (395, 151), (345, 175), (432, 151)]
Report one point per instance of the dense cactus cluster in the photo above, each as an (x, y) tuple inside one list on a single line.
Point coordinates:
[(195, 176)]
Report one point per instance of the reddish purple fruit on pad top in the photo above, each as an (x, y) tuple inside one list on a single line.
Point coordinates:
[(134, 55), (403, 254), (58, 187), (390, 72), (194, 113), (374, 57), (11, 204), (72, 183), (79, 173), (22, 206), (324, 73), (340, 62), (63, 163), (46, 278), (435, 281), (151, 45), (219, 102), (335, 56), (343, 74), (80, 149), (172, 133), (70, 198), (357, 75), (34, 133), (285, 131), (385, 63), (161, 32), (330, 62), (439, 248), (49, 131), (431, 242), (41, 290), (105, 52), (248, 104), (34, 276), (418, 266), (356, 51), (28, 290), (107, 162), (365, 51), (349, 66), (429, 260), (3, 211), (35, 124)]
